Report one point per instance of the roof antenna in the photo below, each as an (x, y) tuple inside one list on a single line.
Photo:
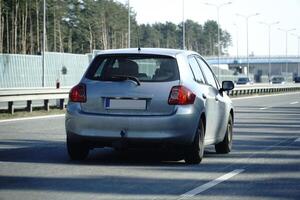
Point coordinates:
[(138, 42)]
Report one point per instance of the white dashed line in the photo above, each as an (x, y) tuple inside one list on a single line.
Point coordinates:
[(210, 184), (30, 118), (264, 108), (297, 140)]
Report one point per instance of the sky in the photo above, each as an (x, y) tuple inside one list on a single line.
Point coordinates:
[(287, 12)]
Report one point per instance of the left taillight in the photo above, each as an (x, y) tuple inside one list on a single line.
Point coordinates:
[(78, 93)]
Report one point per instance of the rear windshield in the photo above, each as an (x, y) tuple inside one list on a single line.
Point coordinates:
[(147, 68)]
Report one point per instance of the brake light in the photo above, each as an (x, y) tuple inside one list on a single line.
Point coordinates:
[(78, 93), (180, 95)]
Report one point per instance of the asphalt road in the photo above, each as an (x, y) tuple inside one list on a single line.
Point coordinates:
[(264, 163)]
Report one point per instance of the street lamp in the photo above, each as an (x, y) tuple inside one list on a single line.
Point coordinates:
[(128, 23), (246, 17), (218, 6), (298, 37), (269, 30), (44, 43), (183, 26), (237, 40), (286, 47)]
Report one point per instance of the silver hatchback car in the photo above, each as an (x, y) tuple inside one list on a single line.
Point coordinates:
[(149, 97)]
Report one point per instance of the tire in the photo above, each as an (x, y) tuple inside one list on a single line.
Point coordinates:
[(226, 145), (77, 149), (194, 153)]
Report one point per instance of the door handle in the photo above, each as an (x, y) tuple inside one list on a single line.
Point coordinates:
[(204, 96)]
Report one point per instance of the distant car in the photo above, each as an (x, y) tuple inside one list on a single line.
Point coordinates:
[(244, 81), (277, 80), (297, 79), (149, 97)]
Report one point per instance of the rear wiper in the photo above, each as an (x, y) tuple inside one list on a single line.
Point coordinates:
[(124, 78)]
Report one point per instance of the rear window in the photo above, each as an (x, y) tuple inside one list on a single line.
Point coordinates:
[(147, 68)]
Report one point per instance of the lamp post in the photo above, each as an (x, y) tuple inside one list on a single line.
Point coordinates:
[(44, 43), (269, 35), (298, 69), (128, 23), (246, 17), (218, 6), (237, 41), (286, 48), (183, 26)]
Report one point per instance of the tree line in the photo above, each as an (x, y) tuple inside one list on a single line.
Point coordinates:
[(79, 26)]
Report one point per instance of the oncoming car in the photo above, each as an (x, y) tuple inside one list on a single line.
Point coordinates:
[(277, 80), (297, 79), (149, 97), (244, 81)]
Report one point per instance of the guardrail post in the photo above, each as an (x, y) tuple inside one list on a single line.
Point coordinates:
[(11, 108), (46, 104), (29, 106), (62, 104)]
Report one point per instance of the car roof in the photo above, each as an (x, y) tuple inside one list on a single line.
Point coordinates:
[(153, 51)]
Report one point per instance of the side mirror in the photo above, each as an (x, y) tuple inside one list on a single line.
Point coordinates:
[(227, 86)]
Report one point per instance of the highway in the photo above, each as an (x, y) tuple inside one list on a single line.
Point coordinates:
[(264, 163)]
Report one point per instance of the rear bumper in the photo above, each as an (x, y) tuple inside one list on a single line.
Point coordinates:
[(104, 130)]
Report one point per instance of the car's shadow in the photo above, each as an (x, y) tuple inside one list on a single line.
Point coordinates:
[(55, 152), (109, 156)]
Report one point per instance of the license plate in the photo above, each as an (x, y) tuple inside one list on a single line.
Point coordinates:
[(128, 104)]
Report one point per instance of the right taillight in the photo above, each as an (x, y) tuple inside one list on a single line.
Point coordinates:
[(180, 95), (78, 93)]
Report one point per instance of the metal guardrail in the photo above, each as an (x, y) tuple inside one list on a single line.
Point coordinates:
[(28, 95), (242, 90), (46, 94)]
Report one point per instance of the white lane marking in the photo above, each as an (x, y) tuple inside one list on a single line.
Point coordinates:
[(30, 118), (260, 96), (264, 108), (6, 147), (297, 140), (210, 184), (294, 102)]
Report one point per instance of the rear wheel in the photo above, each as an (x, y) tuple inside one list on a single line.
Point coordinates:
[(225, 146), (194, 153), (77, 149)]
